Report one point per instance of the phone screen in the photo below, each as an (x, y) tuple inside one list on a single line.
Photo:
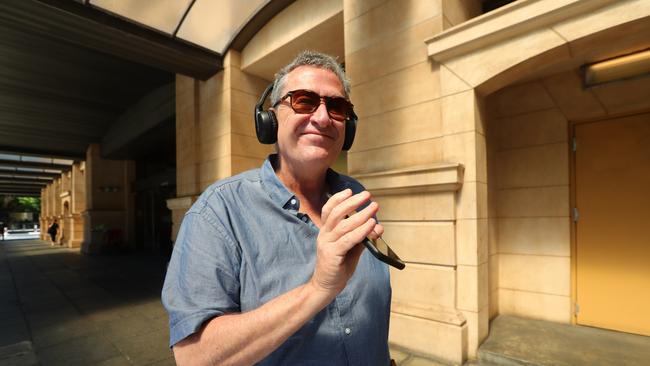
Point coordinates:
[(384, 253)]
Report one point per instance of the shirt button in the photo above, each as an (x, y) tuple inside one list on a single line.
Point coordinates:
[(348, 330)]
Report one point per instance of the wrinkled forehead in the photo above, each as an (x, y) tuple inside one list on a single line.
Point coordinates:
[(320, 80)]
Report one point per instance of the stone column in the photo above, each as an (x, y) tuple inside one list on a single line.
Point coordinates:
[(215, 133), (43, 220), (108, 217), (78, 204), (66, 213), (58, 208), (418, 150)]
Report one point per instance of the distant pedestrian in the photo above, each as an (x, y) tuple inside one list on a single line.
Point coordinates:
[(2, 230), (53, 230)]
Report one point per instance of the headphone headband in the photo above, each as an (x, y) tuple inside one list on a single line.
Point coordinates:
[(260, 103)]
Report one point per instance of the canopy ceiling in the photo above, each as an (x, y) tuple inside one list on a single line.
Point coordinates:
[(25, 175), (72, 70), (211, 24)]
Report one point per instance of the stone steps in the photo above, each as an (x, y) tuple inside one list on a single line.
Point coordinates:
[(515, 341)]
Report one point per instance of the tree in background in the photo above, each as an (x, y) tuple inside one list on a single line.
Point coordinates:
[(28, 204), (14, 204), (20, 204)]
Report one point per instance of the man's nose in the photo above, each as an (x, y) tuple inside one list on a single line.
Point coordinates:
[(321, 116)]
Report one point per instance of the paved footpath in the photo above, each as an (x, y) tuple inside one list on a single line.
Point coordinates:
[(64, 308), (58, 307)]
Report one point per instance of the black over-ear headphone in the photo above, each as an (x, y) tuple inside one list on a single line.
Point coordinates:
[(266, 124)]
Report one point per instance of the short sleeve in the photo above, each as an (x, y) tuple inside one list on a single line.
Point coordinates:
[(202, 280)]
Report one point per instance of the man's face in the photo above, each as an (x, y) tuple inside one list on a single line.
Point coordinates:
[(312, 138)]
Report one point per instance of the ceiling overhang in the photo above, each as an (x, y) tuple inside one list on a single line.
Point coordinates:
[(93, 28), (187, 37), (74, 68), (27, 175)]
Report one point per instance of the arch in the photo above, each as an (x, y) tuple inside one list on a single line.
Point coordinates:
[(516, 43), (525, 41)]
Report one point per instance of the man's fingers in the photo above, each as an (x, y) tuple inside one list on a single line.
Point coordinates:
[(345, 208), (356, 219), (356, 236), (334, 201), (376, 232)]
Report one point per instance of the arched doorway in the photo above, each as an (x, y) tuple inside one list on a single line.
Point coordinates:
[(528, 97)]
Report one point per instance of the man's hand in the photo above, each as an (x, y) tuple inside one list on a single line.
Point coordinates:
[(338, 249)]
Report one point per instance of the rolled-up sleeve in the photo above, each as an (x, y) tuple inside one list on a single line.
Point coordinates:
[(202, 280)]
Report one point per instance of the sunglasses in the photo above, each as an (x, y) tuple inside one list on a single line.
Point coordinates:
[(307, 101)]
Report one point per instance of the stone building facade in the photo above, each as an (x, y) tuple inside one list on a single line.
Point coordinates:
[(467, 135), (92, 204)]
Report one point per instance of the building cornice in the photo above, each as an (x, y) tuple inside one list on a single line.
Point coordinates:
[(518, 18), (425, 178)]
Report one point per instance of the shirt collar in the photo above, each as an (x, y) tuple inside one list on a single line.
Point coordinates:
[(274, 187), (280, 194)]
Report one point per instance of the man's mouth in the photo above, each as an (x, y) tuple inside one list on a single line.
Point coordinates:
[(318, 134)]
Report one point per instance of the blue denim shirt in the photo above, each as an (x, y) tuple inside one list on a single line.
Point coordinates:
[(243, 243)]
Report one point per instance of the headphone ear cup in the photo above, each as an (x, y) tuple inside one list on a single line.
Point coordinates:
[(350, 131), (266, 127)]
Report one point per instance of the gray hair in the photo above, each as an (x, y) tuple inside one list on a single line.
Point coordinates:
[(309, 58)]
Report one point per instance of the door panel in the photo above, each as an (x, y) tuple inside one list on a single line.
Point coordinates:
[(613, 230)]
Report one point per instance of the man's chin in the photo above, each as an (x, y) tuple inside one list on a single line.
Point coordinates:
[(318, 154)]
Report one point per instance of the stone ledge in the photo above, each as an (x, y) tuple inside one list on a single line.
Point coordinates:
[(510, 21), (427, 178), (429, 312), (181, 203)]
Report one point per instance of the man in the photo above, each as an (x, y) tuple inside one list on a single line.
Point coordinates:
[(267, 267)]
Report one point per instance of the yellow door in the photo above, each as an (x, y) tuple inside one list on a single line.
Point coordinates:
[(613, 228)]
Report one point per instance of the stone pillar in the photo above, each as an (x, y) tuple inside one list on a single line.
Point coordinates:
[(464, 118), (215, 133), (108, 217), (65, 223), (44, 212), (179, 207), (57, 214), (418, 149), (78, 204)]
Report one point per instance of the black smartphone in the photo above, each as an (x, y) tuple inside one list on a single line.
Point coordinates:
[(380, 250), (383, 252)]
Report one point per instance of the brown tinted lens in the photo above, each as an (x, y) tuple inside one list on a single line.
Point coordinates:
[(304, 101), (337, 107)]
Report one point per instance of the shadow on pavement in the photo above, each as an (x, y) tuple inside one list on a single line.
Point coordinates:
[(83, 310)]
